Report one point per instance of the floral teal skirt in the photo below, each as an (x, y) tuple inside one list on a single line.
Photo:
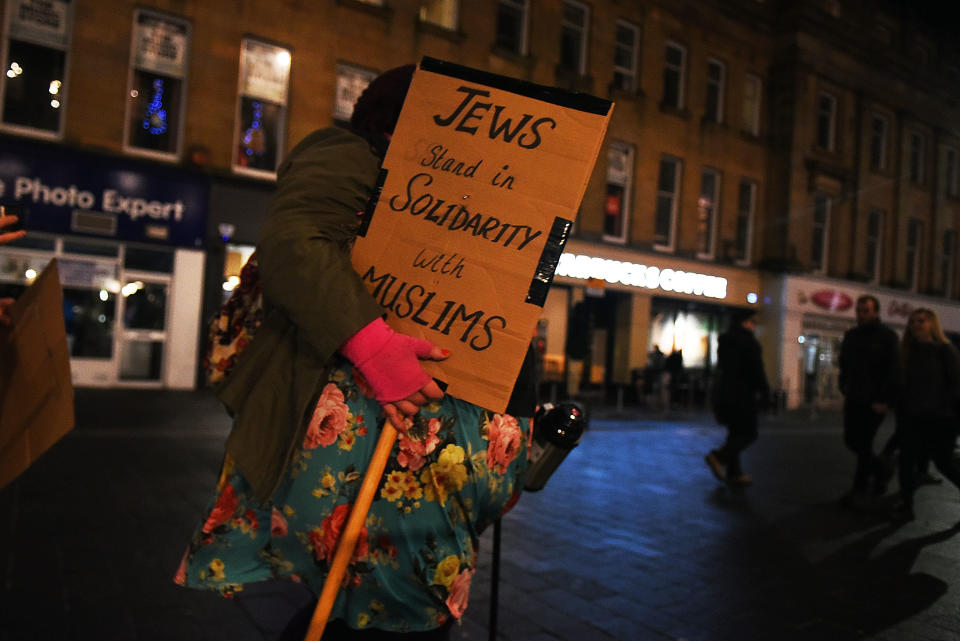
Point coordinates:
[(454, 469)]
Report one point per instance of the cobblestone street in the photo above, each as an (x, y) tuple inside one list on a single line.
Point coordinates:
[(632, 539)]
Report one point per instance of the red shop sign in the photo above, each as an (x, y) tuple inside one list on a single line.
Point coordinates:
[(832, 300)]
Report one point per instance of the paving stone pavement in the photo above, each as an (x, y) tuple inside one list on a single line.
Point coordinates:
[(631, 540)]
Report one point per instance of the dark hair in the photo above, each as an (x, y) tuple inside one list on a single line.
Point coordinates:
[(742, 314), (378, 108), (866, 297)]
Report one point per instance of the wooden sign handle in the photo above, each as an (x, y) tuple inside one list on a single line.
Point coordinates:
[(351, 532)]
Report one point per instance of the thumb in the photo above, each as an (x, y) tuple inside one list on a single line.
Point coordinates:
[(424, 349)]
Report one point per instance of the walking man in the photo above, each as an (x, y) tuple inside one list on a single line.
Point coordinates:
[(740, 389), (869, 366)]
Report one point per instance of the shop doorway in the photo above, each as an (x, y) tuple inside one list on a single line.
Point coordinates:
[(686, 333), (820, 370), (143, 330), (592, 345)]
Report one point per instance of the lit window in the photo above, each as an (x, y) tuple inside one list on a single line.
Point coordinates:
[(746, 206), (716, 77), (156, 100), (573, 37), (32, 88), (752, 100), (616, 208), (674, 69), (707, 212), (668, 186), (826, 121), (625, 57), (443, 13), (821, 232), (261, 108), (351, 81), (512, 26)]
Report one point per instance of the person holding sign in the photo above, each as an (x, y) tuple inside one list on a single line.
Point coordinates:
[(311, 392)]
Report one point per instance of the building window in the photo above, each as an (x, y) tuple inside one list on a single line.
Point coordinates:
[(914, 234), (443, 13), (874, 244), (752, 99), (918, 164), (821, 232), (668, 186), (156, 96), (33, 92), (946, 261), (351, 81), (826, 121), (716, 79), (261, 108), (625, 57), (746, 206), (674, 69), (616, 209), (707, 206), (573, 37), (878, 142), (951, 181), (512, 26)]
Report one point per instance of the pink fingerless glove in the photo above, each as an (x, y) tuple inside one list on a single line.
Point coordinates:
[(389, 361)]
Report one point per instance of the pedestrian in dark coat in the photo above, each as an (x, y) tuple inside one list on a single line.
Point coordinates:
[(927, 410), (740, 389), (869, 371)]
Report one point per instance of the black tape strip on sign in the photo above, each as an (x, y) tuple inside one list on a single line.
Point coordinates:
[(549, 258), (553, 95)]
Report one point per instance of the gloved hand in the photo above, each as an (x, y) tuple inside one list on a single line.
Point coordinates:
[(391, 364)]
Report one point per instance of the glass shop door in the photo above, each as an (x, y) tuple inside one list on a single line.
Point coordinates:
[(143, 328)]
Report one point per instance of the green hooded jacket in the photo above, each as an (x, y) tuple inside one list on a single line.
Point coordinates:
[(313, 301)]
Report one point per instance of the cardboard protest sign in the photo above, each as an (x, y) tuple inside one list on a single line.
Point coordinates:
[(479, 188), (36, 394)]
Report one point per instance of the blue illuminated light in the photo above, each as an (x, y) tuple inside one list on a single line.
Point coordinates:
[(252, 137), (752, 298), (155, 118)]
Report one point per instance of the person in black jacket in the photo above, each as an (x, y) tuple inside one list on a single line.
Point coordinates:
[(927, 410), (869, 371), (740, 388)]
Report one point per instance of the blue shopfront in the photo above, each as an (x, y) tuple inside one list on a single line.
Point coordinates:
[(129, 238)]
